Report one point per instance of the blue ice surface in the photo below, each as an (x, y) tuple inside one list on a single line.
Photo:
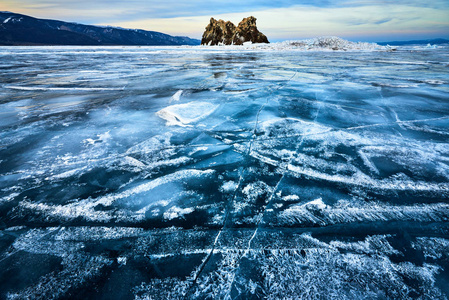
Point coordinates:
[(168, 173)]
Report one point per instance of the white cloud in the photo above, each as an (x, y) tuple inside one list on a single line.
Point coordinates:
[(370, 21), (354, 19)]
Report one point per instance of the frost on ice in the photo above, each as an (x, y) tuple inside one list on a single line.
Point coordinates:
[(314, 169)]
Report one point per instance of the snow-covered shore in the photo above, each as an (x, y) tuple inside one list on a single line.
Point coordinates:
[(326, 43)]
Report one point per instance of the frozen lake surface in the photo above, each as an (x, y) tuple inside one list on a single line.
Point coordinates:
[(194, 173)]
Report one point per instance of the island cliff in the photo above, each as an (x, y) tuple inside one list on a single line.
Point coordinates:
[(226, 33)]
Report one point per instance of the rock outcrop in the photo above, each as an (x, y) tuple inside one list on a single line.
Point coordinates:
[(225, 33), (247, 31), (218, 32)]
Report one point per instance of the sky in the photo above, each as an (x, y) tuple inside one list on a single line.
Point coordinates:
[(356, 20)]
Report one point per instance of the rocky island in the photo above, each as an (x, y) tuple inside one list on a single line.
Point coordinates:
[(226, 33)]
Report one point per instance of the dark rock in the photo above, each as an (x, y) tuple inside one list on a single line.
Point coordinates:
[(221, 32), (247, 31), (218, 32)]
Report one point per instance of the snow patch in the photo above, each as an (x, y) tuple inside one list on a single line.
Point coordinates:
[(177, 96), (177, 212)]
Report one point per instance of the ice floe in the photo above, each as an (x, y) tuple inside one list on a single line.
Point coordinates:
[(186, 114)]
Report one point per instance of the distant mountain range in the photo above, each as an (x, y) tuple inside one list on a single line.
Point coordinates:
[(18, 29), (415, 42)]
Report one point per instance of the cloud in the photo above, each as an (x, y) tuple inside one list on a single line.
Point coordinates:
[(132, 9), (284, 19), (372, 23), (119, 10), (436, 4), (382, 21)]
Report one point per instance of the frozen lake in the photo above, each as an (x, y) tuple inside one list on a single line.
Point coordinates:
[(193, 173)]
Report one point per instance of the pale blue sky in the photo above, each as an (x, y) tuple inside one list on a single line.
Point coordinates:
[(364, 20)]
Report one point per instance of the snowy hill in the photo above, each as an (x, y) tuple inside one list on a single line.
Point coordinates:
[(17, 29)]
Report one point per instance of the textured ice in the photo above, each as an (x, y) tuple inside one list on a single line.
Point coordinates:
[(317, 213), (315, 169), (185, 114)]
